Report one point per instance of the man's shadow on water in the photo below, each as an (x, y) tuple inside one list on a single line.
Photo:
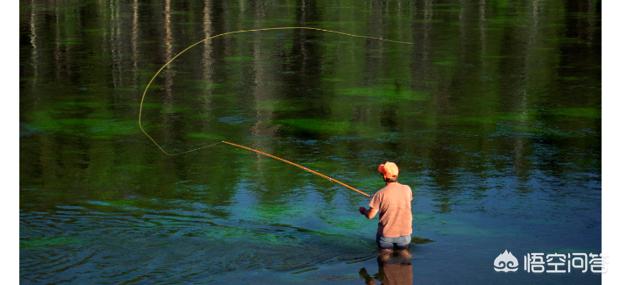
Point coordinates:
[(395, 267)]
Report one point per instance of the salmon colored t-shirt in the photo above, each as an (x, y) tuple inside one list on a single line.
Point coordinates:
[(394, 204)]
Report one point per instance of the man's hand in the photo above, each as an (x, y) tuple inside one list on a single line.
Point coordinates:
[(363, 211), (368, 213)]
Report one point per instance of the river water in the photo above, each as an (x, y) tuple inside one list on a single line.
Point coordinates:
[(493, 115)]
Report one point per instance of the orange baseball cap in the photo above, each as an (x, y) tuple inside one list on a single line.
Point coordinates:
[(388, 169)]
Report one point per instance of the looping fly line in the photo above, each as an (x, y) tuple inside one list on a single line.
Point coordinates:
[(165, 152)]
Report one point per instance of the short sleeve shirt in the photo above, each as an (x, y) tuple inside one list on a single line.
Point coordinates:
[(394, 204)]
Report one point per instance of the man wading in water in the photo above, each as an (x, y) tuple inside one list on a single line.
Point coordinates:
[(393, 203)]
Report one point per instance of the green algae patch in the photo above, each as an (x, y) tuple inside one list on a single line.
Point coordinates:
[(320, 165), (317, 125), (348, 223), (224, 232), (71, 41), (386, 93), (578, 112), (445, 62), (493, 118), (205, 136), (353, 130), (75, 104), (99, 128), (81, 118), (45, 242), (332, 79), (271, 212)]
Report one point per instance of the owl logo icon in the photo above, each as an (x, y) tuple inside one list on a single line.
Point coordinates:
[(506, 262)]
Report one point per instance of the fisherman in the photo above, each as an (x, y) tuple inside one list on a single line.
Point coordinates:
[(393, 203)]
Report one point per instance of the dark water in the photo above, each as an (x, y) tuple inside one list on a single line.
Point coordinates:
[(493, 116)]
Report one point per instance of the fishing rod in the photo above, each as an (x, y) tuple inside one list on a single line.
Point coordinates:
[(239, 146), (331, 179)]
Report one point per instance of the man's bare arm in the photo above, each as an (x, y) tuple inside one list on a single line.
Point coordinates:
[(370, 213)]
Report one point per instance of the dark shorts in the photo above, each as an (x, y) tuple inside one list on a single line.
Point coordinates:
[(396, 242)]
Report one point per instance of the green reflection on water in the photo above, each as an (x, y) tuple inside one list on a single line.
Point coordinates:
[(578, 112), (318, 125), (93, 127), (386, 93), (46, 242)]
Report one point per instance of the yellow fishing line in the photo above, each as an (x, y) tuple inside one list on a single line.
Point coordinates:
[(161, 148)]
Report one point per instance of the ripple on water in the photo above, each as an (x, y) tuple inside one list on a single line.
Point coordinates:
[(128, 244)]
